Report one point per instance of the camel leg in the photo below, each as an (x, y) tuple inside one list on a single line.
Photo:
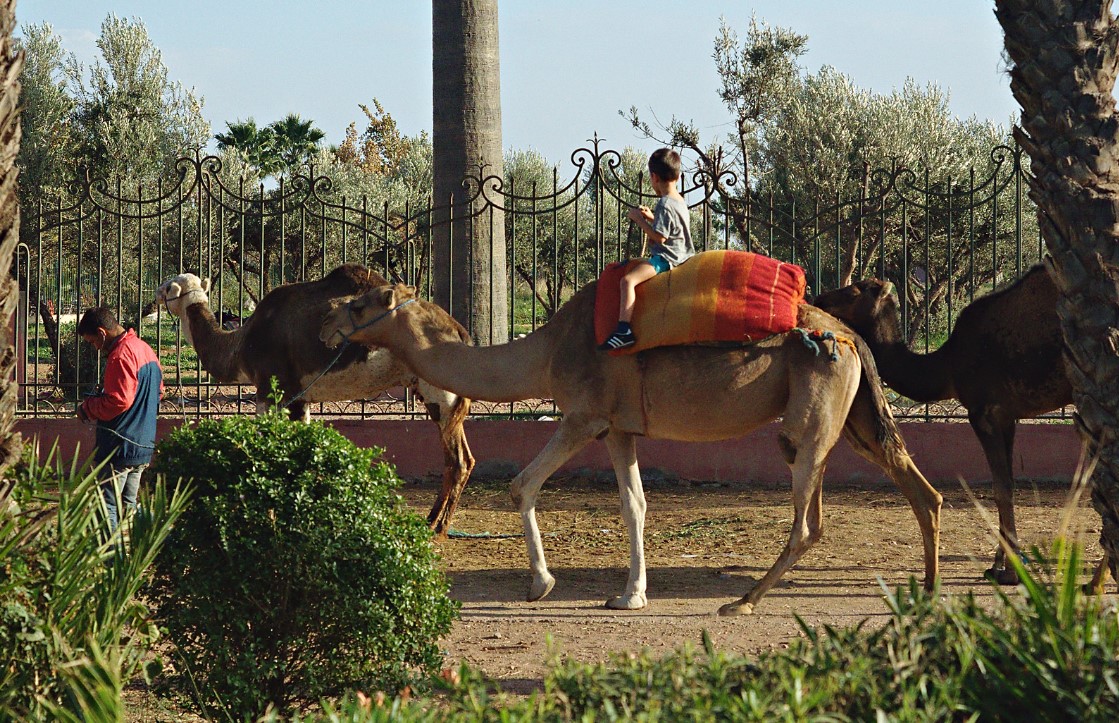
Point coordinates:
[(888, 452), (808, 475), (1099, 578), (814, 417), (300, 411), (996, 436), (571, 436), (623, 453), (448, 412)]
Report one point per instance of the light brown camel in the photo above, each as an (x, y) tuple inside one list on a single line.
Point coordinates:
[(279, 340), (691, 393), (1002, 361)]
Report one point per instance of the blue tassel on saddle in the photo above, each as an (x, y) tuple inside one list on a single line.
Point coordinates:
[(814, 340)]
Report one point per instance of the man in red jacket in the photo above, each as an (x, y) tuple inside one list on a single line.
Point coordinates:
[(126, 408)]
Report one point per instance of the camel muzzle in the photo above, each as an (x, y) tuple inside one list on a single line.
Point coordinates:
[(355, 327)]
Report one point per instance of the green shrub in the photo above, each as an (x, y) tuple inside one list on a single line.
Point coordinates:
[(298, 572), (72, 630)]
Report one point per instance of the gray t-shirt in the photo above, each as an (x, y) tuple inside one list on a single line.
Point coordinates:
[(671, 220)]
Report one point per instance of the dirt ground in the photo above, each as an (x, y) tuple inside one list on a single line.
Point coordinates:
[(705, 544)]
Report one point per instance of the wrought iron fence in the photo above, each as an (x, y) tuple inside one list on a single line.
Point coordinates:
[(941, 241)]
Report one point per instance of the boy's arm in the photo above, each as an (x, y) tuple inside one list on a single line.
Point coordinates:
[(637, 215)]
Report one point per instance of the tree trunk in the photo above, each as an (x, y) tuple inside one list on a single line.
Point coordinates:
[(470, 277), (1064, 68), (10, 66)]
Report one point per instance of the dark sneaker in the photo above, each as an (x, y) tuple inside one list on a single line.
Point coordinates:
[(618, 340)]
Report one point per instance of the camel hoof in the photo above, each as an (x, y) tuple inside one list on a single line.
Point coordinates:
[(627, 602), (737, 608), (1002, 575), (540, 588)]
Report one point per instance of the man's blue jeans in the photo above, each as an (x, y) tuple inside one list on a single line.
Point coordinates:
[(123, 482)]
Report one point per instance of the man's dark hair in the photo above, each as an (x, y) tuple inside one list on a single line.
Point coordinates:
[(101, 317), (665, 162)]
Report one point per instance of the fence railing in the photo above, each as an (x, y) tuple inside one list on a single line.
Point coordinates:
[(941, 241)]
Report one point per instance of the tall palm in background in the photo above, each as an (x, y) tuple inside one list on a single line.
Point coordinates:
[(277, 148), (296, 140), (1065, 61), (256, 146), (470, 277), (10, 66)]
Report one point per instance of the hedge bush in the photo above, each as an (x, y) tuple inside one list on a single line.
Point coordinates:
[(298, 572)]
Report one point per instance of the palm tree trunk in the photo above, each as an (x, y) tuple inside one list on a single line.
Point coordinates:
[(470, 275), (10, 66), (1064, 69)]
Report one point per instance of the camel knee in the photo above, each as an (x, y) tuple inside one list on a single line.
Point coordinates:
[(802, 537), (523, 499), (634, 506), (815, 534), (788, 448)]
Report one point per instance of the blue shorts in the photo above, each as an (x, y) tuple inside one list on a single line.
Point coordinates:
[(659, 264)]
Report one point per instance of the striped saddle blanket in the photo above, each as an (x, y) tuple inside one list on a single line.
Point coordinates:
[(721, 296)]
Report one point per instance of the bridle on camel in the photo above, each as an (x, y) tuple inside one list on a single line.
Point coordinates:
[(345, 344)]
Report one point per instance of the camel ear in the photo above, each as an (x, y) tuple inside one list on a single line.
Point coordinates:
[(172, 290), (884, 295), (206, 285), (388, 297)]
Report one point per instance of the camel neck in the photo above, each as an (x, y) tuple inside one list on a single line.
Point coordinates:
[(214, 345), (920, 377), (501, 373)]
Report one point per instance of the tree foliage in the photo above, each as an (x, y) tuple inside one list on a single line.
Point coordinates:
[(129, 118), (48, 142), (904, 187)]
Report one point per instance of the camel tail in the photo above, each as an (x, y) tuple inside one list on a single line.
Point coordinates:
[(874, 409)]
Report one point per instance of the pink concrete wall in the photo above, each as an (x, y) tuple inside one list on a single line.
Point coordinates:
[(944, 452)]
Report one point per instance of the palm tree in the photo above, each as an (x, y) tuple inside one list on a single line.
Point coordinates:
[(1065, 57), (469, 266), (256, 146), (10, 66), (296, 140)]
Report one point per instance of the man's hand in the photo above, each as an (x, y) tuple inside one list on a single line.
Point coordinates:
[(81, 414)]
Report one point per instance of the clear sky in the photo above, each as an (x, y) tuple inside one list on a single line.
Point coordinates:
[(567, 66)]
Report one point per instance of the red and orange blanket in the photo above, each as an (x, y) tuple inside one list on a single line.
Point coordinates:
[(724, 296)]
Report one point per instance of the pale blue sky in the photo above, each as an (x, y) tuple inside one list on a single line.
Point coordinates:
[(568, 66)]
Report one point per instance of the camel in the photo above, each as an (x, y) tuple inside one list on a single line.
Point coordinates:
[(691, 393), (273, 342), (1002, 361)]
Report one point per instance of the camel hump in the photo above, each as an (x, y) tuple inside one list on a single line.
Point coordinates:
[(356, 277)]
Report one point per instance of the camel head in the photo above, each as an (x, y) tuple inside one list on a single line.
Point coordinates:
[(863, 306), (182, 291), (364, 319)]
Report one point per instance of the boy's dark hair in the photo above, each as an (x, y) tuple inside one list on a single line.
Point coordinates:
[(101, 317), (665, 162)]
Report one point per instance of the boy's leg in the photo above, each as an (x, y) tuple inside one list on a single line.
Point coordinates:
[(623, 336), (643, 271)]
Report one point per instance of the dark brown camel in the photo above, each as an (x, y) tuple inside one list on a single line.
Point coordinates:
[(280, 340), (1002, 361)]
